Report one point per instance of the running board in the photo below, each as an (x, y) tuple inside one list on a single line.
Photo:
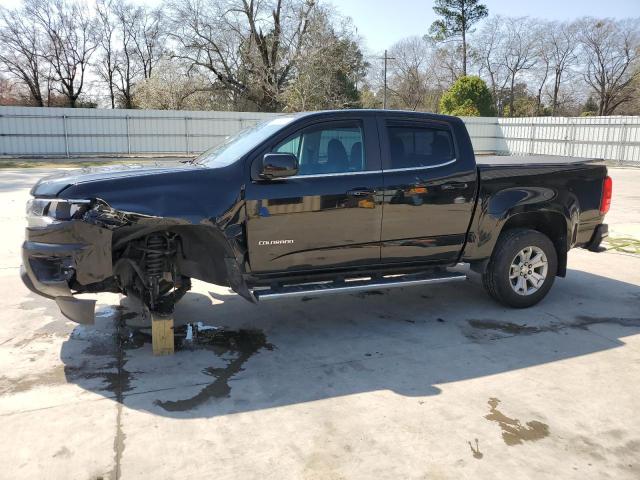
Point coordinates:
[(352, 286)]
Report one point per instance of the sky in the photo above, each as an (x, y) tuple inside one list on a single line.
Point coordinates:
[(381, 23)]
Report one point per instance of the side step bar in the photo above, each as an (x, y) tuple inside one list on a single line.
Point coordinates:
[(357, 285)]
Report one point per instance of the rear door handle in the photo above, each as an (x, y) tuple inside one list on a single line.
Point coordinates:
[(454, 186), (360, 192)]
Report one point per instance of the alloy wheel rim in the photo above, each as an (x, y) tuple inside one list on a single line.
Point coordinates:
[(528, 270)]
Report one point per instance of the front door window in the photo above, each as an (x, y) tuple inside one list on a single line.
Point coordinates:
[(328, 149)]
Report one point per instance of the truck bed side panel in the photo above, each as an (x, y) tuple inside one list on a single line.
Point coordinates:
[(571, 191)]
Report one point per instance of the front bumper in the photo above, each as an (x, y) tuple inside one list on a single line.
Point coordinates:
[(78, 310), (600, 233), (54, 256)]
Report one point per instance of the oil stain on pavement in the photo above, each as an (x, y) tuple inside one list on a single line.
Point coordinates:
[(235, 347), (497, 330), (477, 454), (513, 431), (240, 345)]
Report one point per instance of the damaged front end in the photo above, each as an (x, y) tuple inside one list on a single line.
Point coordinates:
[(61, 250), (69, 250)]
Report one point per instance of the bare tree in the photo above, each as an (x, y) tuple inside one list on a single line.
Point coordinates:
[(408, 82), (106, 65), (611, 52), (70, 32), (129, 65), (541, 71), (173, 87), (149, 36), (562, 42), (332, 68), (487, 54), (131, 40), (518, 51), (448, 64), (22, 52), (251, 47)]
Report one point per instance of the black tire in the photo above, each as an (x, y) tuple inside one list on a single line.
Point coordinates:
[(496, 279)]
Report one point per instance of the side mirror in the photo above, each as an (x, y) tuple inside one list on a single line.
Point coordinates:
[(278, 165)]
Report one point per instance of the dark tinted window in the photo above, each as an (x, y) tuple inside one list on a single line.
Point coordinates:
[(413, 147), (327, 149)]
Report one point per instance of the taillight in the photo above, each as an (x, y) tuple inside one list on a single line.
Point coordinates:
[(607, 191)]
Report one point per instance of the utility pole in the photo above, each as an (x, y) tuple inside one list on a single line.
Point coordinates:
[(384, 94)]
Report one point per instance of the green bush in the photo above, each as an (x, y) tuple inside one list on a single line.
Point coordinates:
[(467, 97)]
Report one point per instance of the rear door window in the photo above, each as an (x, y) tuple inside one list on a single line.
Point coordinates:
[(418, 146)]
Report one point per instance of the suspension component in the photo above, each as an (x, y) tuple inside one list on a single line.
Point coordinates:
[(148, 270), (154, 263), (158, 249)]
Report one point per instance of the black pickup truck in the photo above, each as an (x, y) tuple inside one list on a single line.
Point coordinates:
[(311, 204)]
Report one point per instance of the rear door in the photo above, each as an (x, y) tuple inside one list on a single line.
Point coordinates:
[(328, 216), (429, 191)]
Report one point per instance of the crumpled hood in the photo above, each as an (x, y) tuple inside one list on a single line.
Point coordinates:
[(52, 185)]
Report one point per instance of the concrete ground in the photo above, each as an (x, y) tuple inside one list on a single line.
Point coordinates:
[(416, 383)]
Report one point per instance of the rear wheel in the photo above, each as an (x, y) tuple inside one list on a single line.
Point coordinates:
[(522, 268)]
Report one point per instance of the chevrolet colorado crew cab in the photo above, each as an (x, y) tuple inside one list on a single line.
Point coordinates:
[(315, 203)]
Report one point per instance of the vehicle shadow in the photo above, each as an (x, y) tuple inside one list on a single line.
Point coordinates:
[(410, 341)]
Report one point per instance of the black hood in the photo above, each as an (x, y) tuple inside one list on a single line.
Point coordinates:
[(189, 193), (52, 185)]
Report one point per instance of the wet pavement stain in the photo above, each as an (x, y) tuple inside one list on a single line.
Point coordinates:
[(47, 333), (9, 386), (242, 344), (234, 346), (119, 384), (367, 294), (116, 378), (585, 321), (477, 454), (511, 329), (507, 327), (513, 431), (62, 452)]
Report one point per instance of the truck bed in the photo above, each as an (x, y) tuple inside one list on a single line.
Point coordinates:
[(515, 160)]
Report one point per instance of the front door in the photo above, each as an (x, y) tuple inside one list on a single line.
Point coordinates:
[(329, 215), (429, 193)]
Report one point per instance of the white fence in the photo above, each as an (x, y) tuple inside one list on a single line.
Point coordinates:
[(27, 131), (87, 131)]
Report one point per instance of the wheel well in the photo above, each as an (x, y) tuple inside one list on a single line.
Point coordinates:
[(200, 253), (203, 254), (553, 225)]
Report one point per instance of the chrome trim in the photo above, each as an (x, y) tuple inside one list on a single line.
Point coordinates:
[(337, 174), (420, 168), (327, 288), (365, 172)]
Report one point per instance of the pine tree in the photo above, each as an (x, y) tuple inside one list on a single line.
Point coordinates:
[(458, 16)]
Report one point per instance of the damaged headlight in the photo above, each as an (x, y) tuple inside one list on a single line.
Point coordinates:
[(42, 212)]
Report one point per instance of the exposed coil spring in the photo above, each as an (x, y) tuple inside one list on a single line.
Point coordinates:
[(155, 253)]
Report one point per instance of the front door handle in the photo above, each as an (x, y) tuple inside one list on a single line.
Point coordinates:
[(360, 192), (454, 186)]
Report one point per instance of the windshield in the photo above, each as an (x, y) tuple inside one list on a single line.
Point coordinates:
[(234, 147)]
